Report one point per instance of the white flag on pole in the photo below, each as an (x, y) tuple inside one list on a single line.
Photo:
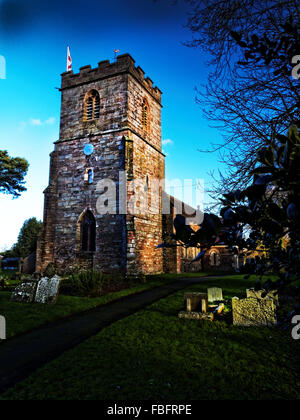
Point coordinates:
[(69, 60)]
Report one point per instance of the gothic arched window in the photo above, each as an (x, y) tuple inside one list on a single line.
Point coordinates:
[(91, 106), (88, 232)]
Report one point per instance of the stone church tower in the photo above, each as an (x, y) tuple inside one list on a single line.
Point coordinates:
[(110, 123)]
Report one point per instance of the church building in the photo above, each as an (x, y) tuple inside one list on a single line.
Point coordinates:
[(110, 126)]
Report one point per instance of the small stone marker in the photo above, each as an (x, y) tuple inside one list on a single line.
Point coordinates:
[(196, 315), (194, 299), (253, 312), (215, 294), (273, 295), (25, 292), (2, 328), (47, 290)]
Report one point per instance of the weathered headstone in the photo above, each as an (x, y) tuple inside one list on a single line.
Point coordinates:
[(47, 290), (2, 328), (253, 312), (273, 295), (195, 300), (25, 292), (215, 294)]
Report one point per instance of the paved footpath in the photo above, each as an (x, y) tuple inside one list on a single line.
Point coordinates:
[(22, 355)]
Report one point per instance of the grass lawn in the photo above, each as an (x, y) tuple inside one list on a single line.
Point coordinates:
[(155, 355), (22, 317)]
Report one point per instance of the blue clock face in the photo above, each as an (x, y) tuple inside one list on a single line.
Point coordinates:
[(88, 149)]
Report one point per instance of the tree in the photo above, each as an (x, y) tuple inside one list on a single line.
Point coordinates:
[(12, 173), (27, 239), (248, 95)]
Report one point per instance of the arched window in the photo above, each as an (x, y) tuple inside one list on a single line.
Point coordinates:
[(145, 115), (91, 106), (214, 258), (88, 232)]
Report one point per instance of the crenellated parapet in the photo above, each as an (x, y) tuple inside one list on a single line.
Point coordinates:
[(124, 64)]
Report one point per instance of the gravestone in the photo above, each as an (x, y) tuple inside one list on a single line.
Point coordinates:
[(215, 294), (2, 328), (47, 290), (253, 312), (273, 295), (25, 292), (195, 300), (196, 315)]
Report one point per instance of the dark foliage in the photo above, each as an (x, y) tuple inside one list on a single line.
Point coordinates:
[(12, 173), (27, 239), (91, 283)]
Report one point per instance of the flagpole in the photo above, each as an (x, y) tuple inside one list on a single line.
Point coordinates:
[(115, 57), (67, 57)]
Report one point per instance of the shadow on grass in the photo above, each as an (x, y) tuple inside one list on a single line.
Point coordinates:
[(202, 366)]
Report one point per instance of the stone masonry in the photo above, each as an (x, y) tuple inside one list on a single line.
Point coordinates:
[(124, 243), (115, 111)]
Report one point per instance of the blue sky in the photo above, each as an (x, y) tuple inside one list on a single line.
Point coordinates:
[(33, 40)]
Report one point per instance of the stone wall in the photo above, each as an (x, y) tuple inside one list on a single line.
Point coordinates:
[(172, 256), (146, 224), (73, 196), (136, 95)]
